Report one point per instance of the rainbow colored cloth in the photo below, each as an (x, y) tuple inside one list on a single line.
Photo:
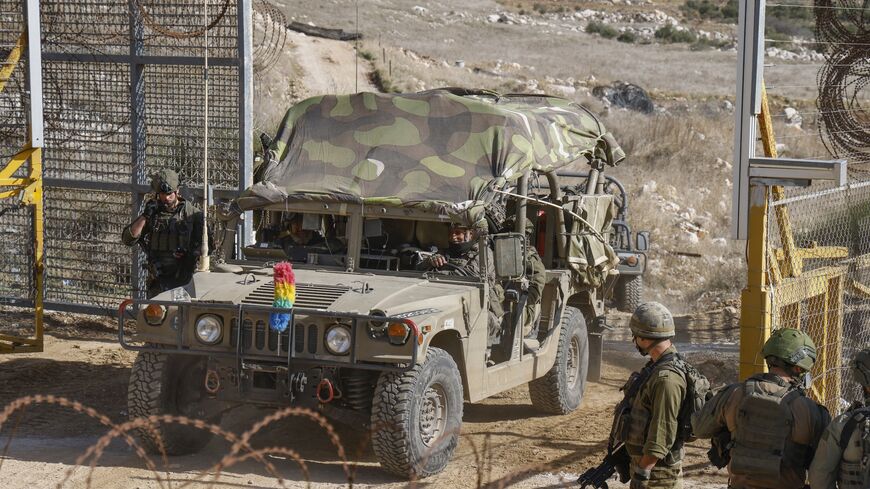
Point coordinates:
[(285, 295)]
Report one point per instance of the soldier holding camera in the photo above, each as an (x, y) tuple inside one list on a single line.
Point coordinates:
[(169, 230)]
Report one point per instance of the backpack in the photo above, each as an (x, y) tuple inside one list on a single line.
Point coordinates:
[(697, 394), (856, 474)]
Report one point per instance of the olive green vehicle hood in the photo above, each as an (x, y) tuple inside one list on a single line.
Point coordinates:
[(444, 150), (357, 293)]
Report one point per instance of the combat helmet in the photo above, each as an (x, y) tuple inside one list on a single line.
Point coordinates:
[(164, 181), (860, 365), (792, 346), (652, 320)]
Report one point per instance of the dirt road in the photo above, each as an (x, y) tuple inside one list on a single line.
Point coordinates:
[(502, 436)]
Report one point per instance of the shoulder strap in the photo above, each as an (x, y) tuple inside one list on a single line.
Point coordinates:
[(849, 428)]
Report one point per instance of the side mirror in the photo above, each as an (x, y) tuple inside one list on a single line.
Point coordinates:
[(642, 241), (509, 257)]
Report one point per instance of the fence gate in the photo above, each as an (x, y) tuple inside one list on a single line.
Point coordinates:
[(21, 204), (124, 97)]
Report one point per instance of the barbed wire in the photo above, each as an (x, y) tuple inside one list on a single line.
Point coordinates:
[(241, 449)]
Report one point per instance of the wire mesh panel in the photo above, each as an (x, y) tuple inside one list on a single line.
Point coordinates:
[(124, 87), (87, 113), (174, 116), (86, 261), (819, 236)]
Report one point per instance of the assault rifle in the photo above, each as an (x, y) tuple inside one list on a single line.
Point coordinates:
[(615, 460)]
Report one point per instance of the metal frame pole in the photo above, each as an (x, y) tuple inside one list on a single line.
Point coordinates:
[(749, 205), (246, 117), (137, 137)]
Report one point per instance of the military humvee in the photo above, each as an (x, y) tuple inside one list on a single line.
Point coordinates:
[(630, 247), (356, 190)]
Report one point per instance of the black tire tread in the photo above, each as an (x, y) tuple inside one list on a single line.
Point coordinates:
[(391, 410), (144, 398), (630, 293), (544, 392)]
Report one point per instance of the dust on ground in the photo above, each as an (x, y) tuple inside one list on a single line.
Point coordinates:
[(502, 436)]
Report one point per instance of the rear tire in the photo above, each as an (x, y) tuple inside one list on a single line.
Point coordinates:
[(416, 416), (169, 384), (629, 292), (560, 390)]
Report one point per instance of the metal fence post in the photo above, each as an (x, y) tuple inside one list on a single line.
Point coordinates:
[(137, 138)]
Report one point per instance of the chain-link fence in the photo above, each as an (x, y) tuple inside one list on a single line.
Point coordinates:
[(819, 271), (819, 236)]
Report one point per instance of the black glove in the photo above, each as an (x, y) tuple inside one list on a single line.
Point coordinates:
[(151, 209)]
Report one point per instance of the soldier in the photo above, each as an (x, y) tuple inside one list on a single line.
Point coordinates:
[(843, 457), (651, 431), (463, 259), (169, 231), (774, 428)]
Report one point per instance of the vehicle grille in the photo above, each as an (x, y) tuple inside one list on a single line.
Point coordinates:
[(311, 296)]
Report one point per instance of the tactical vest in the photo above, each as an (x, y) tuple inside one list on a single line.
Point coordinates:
[(762, 443), (171, 231), (855, 472), (636, 426)]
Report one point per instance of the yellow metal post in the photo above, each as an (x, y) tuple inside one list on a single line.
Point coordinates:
[(755, 305)]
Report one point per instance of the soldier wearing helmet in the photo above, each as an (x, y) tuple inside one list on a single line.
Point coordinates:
[(774, 427), (646, 420), (169, 231), (843, 457)]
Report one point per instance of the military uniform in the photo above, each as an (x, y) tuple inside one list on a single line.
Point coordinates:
[(468, 265), (774, 427), (845, 463), (653, 425), (172, 244), (171, 239)]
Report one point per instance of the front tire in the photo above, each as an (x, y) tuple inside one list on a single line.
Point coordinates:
[(629, 292), (169, 384), (417, 415), (560, 390)]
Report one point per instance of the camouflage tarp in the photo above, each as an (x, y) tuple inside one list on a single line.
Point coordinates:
[(438, 149)]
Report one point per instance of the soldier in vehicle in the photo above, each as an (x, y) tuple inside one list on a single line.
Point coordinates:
[(296, 238), (774, 427), (843, 457), (463, 259), (651, 431), (169, 231)]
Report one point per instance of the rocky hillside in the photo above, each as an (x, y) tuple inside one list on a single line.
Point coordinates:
[(660, 72)]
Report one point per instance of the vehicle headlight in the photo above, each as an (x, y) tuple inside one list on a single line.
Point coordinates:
[(208, 329), (337, 339)]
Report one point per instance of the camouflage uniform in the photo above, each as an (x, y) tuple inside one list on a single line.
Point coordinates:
[(836, 467), (171, 241), (468, 265), (654, 426), (774, 427), (845, 464)]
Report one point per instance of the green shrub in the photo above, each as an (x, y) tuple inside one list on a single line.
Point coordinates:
[(627, 37), (366, 55), (670, 34), (602, 30), (712, 10)]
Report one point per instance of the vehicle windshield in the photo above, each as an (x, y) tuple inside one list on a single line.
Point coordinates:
[(386, 244)]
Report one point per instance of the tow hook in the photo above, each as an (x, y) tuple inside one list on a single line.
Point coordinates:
[(212, 382), (325, 391)]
